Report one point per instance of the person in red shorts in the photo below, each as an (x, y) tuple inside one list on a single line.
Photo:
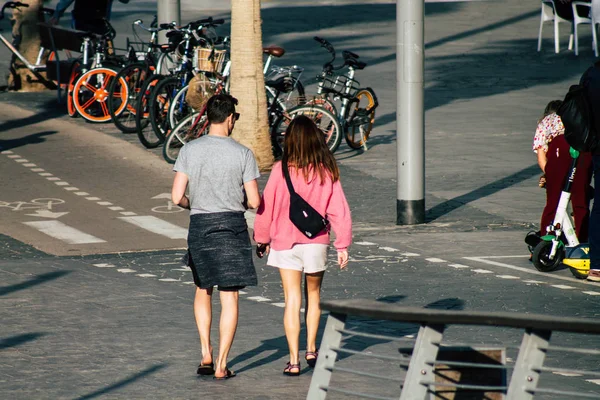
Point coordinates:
[(555, 160)]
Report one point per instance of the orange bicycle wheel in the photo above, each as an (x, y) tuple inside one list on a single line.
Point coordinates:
[(90, 94), (72, 79), (361, 122)]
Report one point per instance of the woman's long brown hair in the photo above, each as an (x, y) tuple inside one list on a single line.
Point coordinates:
[(305, 148)]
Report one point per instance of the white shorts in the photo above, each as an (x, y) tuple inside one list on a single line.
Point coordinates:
[(308, 258)]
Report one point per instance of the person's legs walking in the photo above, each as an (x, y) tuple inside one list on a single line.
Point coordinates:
[(203, 314), (227, 328), (594, 235), (313, 312), (292, 282)]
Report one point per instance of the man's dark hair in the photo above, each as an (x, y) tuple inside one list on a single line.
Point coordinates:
[(219, 107)]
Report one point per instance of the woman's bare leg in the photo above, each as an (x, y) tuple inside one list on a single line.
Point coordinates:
[(313, 308), (292, 283)]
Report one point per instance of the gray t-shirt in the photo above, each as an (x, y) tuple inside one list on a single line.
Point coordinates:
[(217, 168)]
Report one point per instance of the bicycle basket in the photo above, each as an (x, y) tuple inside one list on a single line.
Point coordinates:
[(210, 60), (199, 91), (340, 84)]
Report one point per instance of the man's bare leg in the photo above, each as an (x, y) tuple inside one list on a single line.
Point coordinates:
[(227, 328), (203, 314)]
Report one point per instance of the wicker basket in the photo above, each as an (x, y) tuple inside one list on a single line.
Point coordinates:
[(210, 60), (199, 91)]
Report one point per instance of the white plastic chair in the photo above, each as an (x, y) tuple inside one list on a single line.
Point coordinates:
[(549, 14), (595, 14), (578, 20)]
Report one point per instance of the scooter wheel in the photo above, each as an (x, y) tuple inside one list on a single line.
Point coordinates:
[(577, 274), (541, 257)]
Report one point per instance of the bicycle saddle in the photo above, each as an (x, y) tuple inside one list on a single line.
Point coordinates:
[(351, 59), (274, 51)]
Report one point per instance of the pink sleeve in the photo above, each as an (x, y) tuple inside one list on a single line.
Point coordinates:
[(540, 140), (338, 213), (264, 214)]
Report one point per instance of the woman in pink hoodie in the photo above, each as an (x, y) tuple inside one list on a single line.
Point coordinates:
[(316, 178)]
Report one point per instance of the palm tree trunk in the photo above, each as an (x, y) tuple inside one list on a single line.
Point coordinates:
[(247, 80), (26, 34)]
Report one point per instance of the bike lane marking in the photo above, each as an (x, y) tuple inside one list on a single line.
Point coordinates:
[(64, 232)]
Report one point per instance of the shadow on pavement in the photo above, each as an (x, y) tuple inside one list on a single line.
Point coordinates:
[(37, 280), (42, 111), (452, 204), (34, 138), (124, 382), (18, 340)]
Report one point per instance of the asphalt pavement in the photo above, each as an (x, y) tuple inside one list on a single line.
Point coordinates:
[(112, 317)]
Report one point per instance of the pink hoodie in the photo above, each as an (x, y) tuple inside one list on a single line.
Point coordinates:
[(272, 224)]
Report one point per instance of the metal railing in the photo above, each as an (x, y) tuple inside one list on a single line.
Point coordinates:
[(423, 361)]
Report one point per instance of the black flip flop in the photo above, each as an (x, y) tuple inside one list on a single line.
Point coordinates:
[(228, 374), (206, 369)]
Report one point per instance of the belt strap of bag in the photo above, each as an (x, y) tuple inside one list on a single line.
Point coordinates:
[(286, 174)]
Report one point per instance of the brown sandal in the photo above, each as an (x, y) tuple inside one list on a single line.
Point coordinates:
[(289, 367), (311, 358)]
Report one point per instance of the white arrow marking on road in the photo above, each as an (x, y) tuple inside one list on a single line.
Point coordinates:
[(158, 226), (48, 214), (64, 232), (163, 196)]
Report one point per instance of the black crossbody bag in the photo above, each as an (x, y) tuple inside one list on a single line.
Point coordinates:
[(303, 216)]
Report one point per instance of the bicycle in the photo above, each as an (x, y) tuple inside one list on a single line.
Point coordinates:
[(356, 114)]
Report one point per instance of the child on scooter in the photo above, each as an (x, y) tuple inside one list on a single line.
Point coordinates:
[(554, 159)]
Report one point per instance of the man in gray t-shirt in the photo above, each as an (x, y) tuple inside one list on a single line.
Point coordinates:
[(217, 168), (218, 171)]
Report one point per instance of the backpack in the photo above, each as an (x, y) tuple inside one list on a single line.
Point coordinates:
[(303, 215), (577, 117)]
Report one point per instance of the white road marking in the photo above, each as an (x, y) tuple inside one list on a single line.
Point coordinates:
[(92, 198), (188, 283), (128, 213), (242, 292), (158, 226), (105, 203), (566, 374), (163, 196), (411, 254), (528, 271), (126, 270), (37, 170), (45, 174), (53, 178), (366, 243), (82, 193), (146, 275), (592, 293), (104, 265), (48, 214), (459, 266), (507, 277), (390, 249), (170, 263), (22, 160), (533, 281), (62, 183), (71, 189), (186, 269), (594, 381), (6, 151), (260, 299), (29, 165), (519, 256), (63, 232), (435, 260), (168, 280), (116, 208), (482, 271), (282, 305), (563, 287), (14, 156)]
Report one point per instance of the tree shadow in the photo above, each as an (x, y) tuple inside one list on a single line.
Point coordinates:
[(18, 340), (123, 382), (452, 204), (37, 280), (34, 138), (43, 112)]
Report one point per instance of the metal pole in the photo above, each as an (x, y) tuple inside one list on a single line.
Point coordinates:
[(410, 121), (168, 11)]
